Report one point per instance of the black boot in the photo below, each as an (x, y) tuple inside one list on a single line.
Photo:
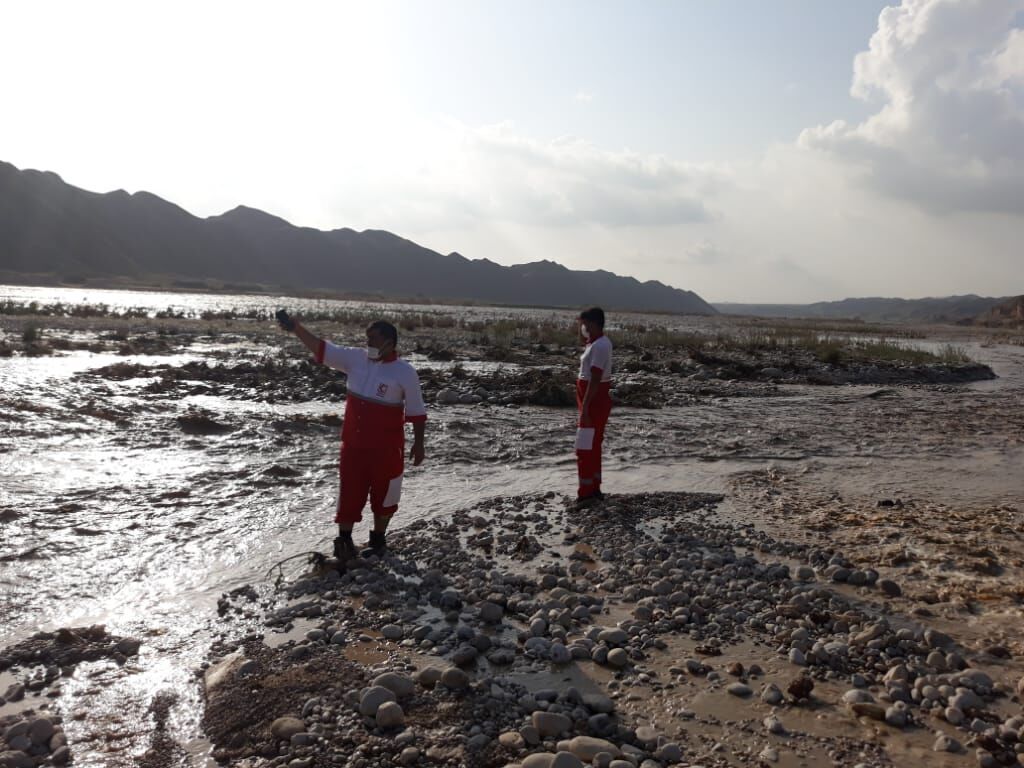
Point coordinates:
[(344, 549), (376, 545)]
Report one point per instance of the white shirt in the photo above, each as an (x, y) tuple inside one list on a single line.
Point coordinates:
[(394, 383), (598, 354)]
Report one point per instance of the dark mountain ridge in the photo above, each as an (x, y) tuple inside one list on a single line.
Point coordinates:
[(50, 227), (946, 309)]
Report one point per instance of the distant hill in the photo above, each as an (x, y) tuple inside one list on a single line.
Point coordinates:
[(1008, 314), (48, 227), (949, 309)]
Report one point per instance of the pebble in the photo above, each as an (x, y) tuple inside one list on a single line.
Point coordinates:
[(392, 632), (739, 689)]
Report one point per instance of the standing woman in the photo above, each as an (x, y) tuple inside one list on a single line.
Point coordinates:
[(593, 396)]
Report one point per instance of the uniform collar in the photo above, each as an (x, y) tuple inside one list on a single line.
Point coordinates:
[(390, 357), (595, 337)]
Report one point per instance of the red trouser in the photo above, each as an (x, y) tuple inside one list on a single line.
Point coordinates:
[(374, 471), (588, 463)]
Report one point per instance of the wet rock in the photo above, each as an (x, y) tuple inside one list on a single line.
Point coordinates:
[(773, 725), (946, 743), (61, 755), (392, 632), (409, 756), (740, 689)]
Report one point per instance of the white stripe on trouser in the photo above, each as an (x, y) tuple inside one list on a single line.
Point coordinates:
[(394, 492)]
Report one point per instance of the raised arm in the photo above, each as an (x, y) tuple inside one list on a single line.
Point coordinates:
[(311, 342)]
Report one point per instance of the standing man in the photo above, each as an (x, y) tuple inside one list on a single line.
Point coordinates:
[(383, 394), (593, 396)]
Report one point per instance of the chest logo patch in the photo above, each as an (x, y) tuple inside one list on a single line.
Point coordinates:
[(382, 389)]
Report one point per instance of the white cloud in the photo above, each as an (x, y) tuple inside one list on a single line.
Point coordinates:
[(493, 174), (949, 133), (584, 97)]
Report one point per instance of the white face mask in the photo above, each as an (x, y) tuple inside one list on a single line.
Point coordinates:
[(373, 353), (584, 331)]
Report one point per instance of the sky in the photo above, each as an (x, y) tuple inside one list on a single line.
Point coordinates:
[(785, 151)]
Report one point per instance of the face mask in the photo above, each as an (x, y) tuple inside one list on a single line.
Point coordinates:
[(585, 332), (373, 353)]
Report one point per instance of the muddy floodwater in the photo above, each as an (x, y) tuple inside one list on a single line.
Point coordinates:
[(150, 466)]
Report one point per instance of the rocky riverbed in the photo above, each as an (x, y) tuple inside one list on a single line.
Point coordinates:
[(792, 568)]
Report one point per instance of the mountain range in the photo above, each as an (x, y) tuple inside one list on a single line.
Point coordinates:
[(948, 309), (55, 231)]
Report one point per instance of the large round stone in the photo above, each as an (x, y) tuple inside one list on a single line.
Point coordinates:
[(390, 715), (372, 699)]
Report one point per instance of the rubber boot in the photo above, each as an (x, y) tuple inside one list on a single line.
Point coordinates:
[(376, 545), (344, 549)]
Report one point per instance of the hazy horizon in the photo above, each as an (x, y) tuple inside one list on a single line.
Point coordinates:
[(790, 153)]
